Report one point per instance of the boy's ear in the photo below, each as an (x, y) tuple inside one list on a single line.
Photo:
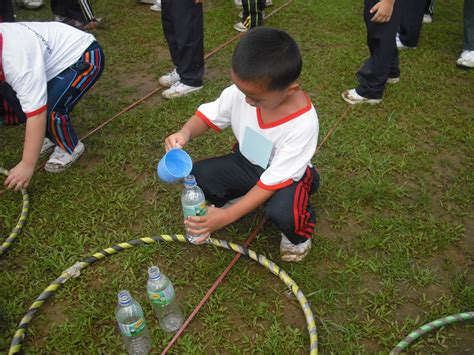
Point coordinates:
[(293, 87)]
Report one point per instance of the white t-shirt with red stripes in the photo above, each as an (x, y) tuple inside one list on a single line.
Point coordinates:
[(294, 138), (34, 53)]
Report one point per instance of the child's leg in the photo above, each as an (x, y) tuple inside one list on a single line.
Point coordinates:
[(429, 9), (290, 210), (226, 177), (411, 22), (374, 73), (182, 22), (6, 11), (252, 13), (79, 10), (65, 90), (468, 25)]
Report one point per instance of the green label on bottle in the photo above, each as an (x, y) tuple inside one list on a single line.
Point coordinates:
[(163, 297), (133, 329), (196, 210)]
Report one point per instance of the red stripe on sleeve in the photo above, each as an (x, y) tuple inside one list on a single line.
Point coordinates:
[(208, 121), (274, 187), (35, 112)]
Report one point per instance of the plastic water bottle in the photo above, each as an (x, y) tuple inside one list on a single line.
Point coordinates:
[(194, 204), (163, 300), (132, 325)]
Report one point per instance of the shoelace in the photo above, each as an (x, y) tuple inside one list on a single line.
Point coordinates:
[(174, 75), (467, 54), (178, 85), (57, 154)]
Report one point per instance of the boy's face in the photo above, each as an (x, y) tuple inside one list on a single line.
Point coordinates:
[(258, 95)]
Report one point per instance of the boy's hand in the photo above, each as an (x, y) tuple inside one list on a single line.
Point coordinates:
[(20, 176), (176, 140), (383, 11), (215, 219)]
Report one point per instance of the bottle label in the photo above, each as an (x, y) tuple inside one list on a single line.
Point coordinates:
[(196, 210), (133, 329), (163, 297)]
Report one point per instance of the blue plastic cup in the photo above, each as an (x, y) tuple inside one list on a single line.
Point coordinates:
[(175, 164)]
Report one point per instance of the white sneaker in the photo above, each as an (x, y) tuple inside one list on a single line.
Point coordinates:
[(238, 3), (352, 97), (400, 45), (31, 4), (466, 60), (47, 145), (179, 89), (169, 79), (239, 26), (393, 80), (156, 7), (293, 252), (60, 160), (269, 3), (427, 18)]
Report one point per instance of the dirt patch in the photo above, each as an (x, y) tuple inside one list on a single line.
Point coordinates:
[(406, 289), (370, 346), (369, 281), (149, 196), (89, 163), (54, 314), (294, 316), (467, 243), (463, 342), (407, 310)]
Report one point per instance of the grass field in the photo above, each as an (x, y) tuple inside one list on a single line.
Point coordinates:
[(394, 243)]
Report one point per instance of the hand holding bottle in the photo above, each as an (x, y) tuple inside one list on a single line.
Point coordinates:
[(215, 219)]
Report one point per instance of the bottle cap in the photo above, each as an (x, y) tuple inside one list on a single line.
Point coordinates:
[(124, 298), (154, 273), (190, 180)]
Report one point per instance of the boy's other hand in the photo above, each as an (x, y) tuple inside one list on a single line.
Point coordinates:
[(383, 11), (176, 140), (215, 219), (20, 176)]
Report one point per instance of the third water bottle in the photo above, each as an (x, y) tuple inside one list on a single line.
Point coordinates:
[(163, 300)]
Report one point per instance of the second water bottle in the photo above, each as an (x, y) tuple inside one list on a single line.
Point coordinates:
[(163, 300)]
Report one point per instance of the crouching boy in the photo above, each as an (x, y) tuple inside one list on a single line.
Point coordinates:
[(276, 128), (45, 69)]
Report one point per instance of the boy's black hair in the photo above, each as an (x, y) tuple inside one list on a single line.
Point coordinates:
[(267, 55)]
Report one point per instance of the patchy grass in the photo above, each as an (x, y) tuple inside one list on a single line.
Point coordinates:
[(395, 238)]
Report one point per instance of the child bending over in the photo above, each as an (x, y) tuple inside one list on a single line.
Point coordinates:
[(45, 68), (276, 128)]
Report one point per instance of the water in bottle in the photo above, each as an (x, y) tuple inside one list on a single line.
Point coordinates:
[(194, 204), (132, 325), (163, 300)]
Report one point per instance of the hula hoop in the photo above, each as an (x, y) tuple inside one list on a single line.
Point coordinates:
[(21, 221), (75, 270), (438, 323)]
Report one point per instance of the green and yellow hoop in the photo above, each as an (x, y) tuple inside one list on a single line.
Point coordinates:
[(21, 221), (75, 271)]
